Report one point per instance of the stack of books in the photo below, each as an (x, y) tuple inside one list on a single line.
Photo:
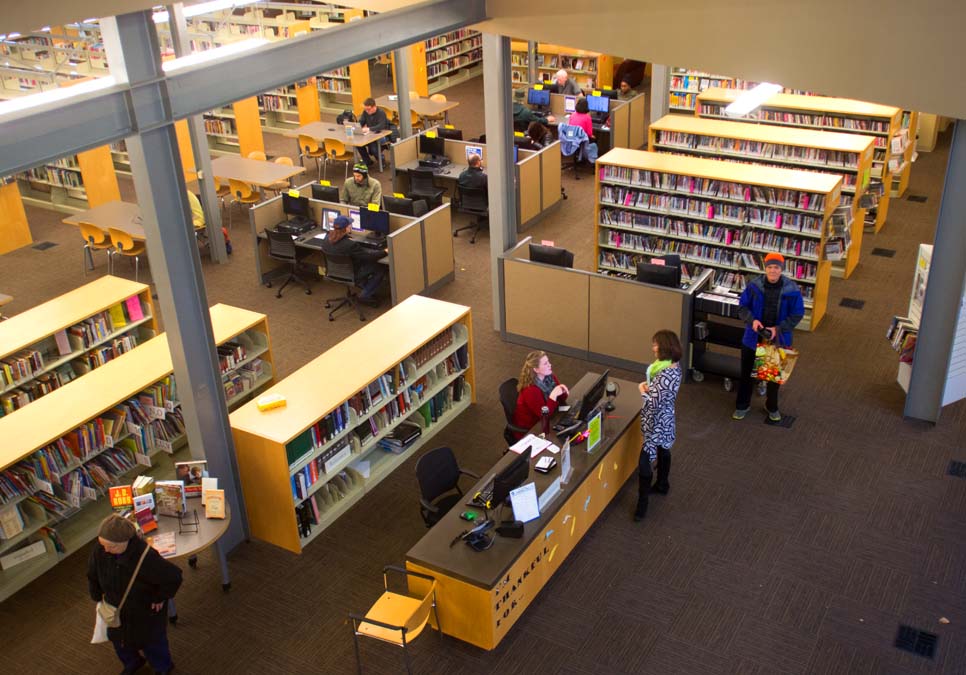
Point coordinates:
[(401, 437)]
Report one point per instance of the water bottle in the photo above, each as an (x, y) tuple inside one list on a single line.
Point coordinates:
[(545, 416), (349, 131)]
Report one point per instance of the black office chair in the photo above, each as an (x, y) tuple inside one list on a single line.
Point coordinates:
[(474, 202), (421, 186), (420, 208), (438, 474), (508, 399), (340, 269), (281, 247), (452, 134)]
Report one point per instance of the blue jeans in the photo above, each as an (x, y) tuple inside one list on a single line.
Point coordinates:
[(369, 153), (372, 280), (155, 651)]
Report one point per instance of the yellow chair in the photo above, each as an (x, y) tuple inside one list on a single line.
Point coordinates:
[(221, 191), (395, 618), (242, 193), (442, 117), (279, 186), (385, 60), (335, 151), (127, 247), (309, 147), (95, 239), (257, 154)]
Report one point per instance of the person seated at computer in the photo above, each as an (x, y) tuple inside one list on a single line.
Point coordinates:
[(625, 92), (562, 84), (373, 119), (472, 176), (581, 118), (537, 387), (539, 135), (369, 272), (523, 116), (361, 190)]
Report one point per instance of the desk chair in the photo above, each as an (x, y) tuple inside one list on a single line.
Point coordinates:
[(309, 147), (576, 144), (127, 247), (335, 151), (221, 191), (257, 154), (438, 474), (420, 208), (95, 239), (385, 60), (282, 247), (242, 193), (397, 618), (442, 117), (474, 202), (422, 186), (508, 399), (280, 186), (340, 269)]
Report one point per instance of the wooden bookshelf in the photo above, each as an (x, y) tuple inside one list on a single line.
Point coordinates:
[(275, 447), (687, 83), (37, 430), (901, 163), (828, 114), (445, 60), (845, 155), (591, 70), (651, 203), (35, 331)]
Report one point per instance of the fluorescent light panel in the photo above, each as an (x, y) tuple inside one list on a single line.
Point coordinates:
[(212, 54), (203, 8), (751, 99)]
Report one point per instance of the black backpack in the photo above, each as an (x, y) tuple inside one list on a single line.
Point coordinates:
[(345, 116)]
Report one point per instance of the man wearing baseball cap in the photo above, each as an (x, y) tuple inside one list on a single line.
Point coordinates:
[(361, 190), (368, 272), (772, 302)]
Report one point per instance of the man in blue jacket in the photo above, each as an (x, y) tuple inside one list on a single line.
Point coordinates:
[(772, 302)]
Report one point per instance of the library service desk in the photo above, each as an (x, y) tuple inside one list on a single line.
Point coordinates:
[(480, 595)]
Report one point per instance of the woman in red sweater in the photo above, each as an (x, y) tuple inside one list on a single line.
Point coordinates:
[(538, 387)]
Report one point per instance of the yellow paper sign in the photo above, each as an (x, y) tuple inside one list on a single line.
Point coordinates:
[(372, 207), (430, 134), (538, 87), (325, 183), (518, 134), (448, 126), (596, 92), (546, 83), (293, 193), (398, 195)]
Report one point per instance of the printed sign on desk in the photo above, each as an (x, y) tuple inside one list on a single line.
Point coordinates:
[(593, 440)]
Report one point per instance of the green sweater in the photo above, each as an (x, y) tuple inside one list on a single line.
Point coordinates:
[(370, 192)]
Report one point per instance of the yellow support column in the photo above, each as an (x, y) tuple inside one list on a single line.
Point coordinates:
[(417, 69), (184, 149), (248, 126), (307, 101), (100, 180), (14, 230), (358, 72)]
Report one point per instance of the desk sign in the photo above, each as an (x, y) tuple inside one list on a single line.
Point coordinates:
[(326, 183), (605, 87), (593, 440), (595, 92), (518, 134), (372, 207), (398, 195), (430, 134), (294, 193), (448, 126)]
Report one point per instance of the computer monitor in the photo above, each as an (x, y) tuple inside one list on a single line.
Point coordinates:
[(432, 146), (356, 222), (598, 104), (451, 134), (374, 221), (516, 154), (551, 255), (539, 97), (325, 193), (570, 104), (511, 477), (592, 397), (401, 205), (295, 206), (328, 218), (659, 275)]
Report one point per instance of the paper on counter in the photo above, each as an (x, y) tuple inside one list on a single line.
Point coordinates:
[(536, 444)]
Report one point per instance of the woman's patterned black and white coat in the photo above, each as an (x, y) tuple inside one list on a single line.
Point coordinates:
[(657, 410)]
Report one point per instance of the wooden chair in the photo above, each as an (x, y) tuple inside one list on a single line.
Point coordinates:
[(95, 239), (395, 618), (279, 186), (442, 117), (336, 151), (385, 60), (127, 247), (309, 147), (257, 154), (242, 193)]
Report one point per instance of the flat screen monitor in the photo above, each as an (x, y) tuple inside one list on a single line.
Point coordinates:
[(295, 206), (659, 275), (374, 221), (570, 104), (328, 218), (538, 97), (400, 205), (432, 146), (598, 104), (516, 154), (325, 193), (356, 223), (451, 134), (511, 477), (592, 397), (551, 255)]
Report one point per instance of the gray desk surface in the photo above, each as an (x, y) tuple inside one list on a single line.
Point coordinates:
[(209, 531), (423, 107), (451, 171), (254, 171), (123, 216), (323, 130), (485, 568)]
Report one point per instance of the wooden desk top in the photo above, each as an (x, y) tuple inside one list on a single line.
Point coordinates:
[(188, 544), (254, 171), (122, 216), (423, 107), (323, 130), (485, 569)]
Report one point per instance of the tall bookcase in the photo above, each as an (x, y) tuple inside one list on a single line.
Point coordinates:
[(443, 60), (686, 84), (903, 154), (716, 214), (61, 454), (303, 465), (591, 70), (57, 342), (845, 155), (883, 122)]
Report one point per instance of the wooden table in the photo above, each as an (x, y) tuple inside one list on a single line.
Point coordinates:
[(256, 172), (424, 107), (122, 216), (480, 595), (321, 131)]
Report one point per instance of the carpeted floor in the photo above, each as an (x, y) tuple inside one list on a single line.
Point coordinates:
[(778, 550)]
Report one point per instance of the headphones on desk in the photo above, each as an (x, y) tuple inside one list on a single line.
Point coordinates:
[(477, 538)]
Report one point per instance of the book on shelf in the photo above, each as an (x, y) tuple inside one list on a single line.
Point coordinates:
[(144, 501), (191, 474), (207, 483), (143, 485), (11, 522), (170, 497), (401, 437), (214, 503), (121, 497)]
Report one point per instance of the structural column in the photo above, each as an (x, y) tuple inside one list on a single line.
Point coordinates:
[(660, 85), (532, 62), (944, 291), (401, 58), (132, 49), (498, 110)]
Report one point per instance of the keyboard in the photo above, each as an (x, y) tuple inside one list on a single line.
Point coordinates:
[(375, 244), (569, 418), (296, 226)]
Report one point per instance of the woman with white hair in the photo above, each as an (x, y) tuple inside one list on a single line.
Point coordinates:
[(562, 84)]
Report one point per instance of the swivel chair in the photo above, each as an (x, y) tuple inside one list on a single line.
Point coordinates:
[(508, 399), (421, 186), (474, 202), (438, 476), (340, 269), (282, 247)]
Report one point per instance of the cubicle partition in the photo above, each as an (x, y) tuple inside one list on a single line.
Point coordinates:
[(592, 316), (627, 120), (420, 257)]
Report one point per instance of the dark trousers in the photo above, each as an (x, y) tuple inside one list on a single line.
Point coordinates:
[(646, 474), (745, 384), (369, 153), (155, 651), (370, 279)]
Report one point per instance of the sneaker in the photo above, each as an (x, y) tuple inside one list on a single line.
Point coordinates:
[(739, 414), (660, 489), (774, 416)]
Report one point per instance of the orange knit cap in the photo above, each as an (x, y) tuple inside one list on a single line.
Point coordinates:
[(775, 259)]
